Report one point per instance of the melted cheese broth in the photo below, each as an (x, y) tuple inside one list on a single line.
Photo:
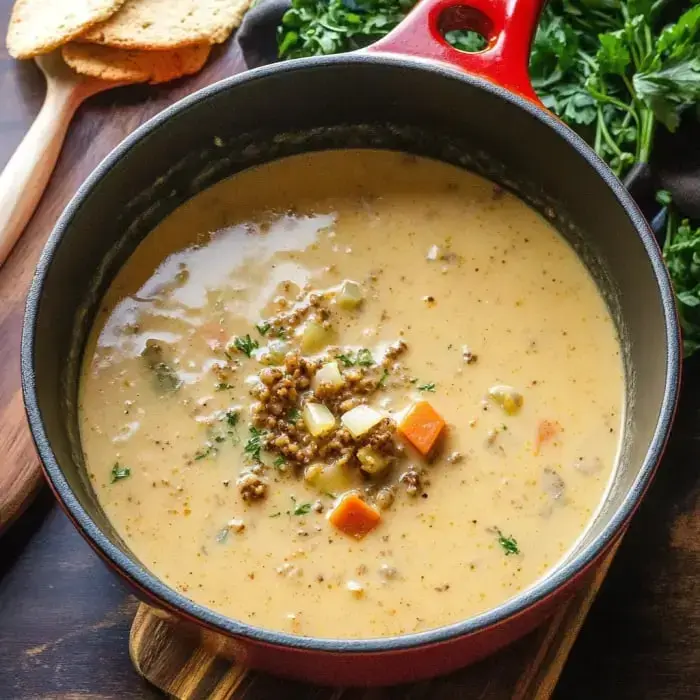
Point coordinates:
[(451, 265)]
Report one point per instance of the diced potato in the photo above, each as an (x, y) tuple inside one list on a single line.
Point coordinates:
[(328, 374), (372, 462), (315, 337), (350, 295), (360, 420), (274, 353), (318, 419), (507, 398), (330, 478)]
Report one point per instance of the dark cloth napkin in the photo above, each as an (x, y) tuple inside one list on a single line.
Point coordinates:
[(675, 162)]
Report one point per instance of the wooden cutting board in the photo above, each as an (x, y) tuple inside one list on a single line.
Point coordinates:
[(177, 663)]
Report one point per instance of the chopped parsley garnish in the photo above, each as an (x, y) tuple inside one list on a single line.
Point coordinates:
[(279, 462), (219, 434), (301, 509), (246, 344), (208, 450), (276, 515), (429, 386), (329, 494), (119, 472), (279, 333), (347, 360), (255, 443), (263, 327), (223, 386), (384, 377), (363, 358), (293, 415), (509, 544), (222, 535)]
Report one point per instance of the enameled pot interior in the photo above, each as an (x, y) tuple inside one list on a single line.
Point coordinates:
[(334, 103)]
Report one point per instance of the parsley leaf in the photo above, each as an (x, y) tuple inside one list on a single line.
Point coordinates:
[(119, 472), (430, 386), (301, 508), (363, 358), (255, 443), (383, 378), (223, 386), (509, 544), (279, 462), (347, 360), (263, 327), (681, 252), (293, 415), (246, 344), (232, 417)]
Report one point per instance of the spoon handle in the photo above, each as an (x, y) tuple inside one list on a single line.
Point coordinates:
[(25, 176)]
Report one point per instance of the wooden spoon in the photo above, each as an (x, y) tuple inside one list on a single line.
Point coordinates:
[(27, 173)]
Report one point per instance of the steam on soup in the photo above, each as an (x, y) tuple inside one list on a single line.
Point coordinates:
[(352, 394)]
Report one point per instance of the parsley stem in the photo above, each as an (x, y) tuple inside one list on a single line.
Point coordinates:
[(646, 138), (608, 138)]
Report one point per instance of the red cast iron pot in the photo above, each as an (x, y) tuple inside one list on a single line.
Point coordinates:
[(410, 92)]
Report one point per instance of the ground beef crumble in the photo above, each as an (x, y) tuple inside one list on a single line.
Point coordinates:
[(251, 486)]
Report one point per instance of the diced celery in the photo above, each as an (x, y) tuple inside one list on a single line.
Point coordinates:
[(360, 420), (372, 462), (350, 295), (328, 374), (318, 419)]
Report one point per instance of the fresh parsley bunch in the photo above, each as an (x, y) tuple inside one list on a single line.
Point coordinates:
[(611, 66)]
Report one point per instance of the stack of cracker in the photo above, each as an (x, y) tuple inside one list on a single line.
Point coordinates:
[(125, 41)]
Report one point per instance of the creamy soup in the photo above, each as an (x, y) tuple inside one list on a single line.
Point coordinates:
[(352, 394)]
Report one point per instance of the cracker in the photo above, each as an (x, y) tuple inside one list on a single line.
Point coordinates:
[(40, 26), (119, 65), (158, 25)]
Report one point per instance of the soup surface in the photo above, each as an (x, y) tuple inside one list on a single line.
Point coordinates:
[(352, 394)]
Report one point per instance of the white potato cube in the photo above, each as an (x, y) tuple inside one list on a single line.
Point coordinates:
[(328, 374), (350, 295), (314, 337), (318, 419), (360, 420)]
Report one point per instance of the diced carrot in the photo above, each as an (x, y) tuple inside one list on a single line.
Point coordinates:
[(354, 517), (422, 426), (546, 431)]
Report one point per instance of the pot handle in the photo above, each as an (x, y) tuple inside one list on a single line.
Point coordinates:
[(508, 26)]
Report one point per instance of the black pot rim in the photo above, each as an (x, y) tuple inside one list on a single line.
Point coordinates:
[(171, 599)]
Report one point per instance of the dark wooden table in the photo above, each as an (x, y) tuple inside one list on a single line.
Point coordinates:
[(64, 621)]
